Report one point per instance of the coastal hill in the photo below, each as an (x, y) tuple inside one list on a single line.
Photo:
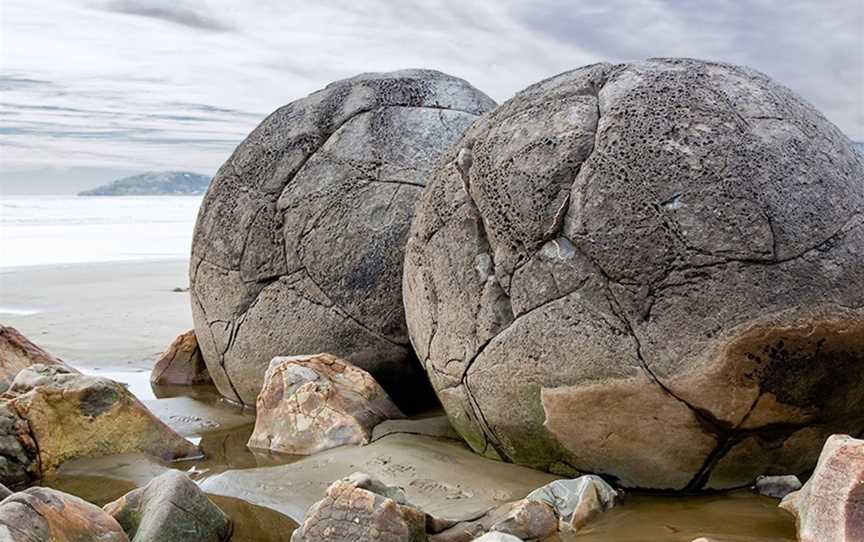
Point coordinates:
[(154, 183)]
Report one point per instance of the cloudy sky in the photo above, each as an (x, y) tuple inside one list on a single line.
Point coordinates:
[(92, 89)]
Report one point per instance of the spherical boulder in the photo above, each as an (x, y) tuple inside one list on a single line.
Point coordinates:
[(299, 243), (651, 271)]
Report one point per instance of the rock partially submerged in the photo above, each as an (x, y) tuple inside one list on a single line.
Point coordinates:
[(171, 508), (298, 246), (16, 353), (362, 509), (51, 414), (777, 486), (621, 239), (43, 514), (313, 403), (182, 364), (830, 506), (559, 506)]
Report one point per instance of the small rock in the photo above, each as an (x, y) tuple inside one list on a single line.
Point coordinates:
[(4, 492), (43, 514), (16, 353), (57, 414), (528, 519), (830, 506), (360, 508), (576, 501), (497, 537), (181, 364), (171, 508), (312, 403), (19, 465), (777, 486)]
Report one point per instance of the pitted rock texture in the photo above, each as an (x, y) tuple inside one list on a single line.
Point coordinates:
[(652, 271), (314, 403), (362, 509), (299, 243)]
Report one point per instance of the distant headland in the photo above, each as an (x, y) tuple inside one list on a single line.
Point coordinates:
[(154, 183)]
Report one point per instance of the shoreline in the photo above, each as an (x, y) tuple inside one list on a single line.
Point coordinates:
[(106, 315)]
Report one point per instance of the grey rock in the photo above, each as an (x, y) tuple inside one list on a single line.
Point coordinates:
[(576, 501), (298, 247), (674, 243), (16, 353), (19, 462), (777, 486), (171, 508), (4, 492)]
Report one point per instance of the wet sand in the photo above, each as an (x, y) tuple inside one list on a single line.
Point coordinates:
[(102, 315)]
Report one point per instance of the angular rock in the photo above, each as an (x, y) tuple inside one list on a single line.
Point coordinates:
[(313, 403), (830, 506), (56, 414), (523, 519), (43, 514), (777, 486), (171, 508), (182, 364), (576, 501), (299, 243), (361, 509), (16, 353), (625, 237)]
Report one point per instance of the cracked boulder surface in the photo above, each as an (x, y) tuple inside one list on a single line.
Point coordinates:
[(651, 271), (299, 243), (171, 508)]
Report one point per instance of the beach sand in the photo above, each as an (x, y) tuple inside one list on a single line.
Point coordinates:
[(117, 316)]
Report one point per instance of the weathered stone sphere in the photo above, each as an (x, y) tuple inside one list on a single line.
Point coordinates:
[(300, 239), (651, 271)]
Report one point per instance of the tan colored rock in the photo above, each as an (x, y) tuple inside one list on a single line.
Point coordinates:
[(830, 506), (16, 353), (523, 519), (182, 364), (70, 415), (43, 514), (313, 403), (361, 509)]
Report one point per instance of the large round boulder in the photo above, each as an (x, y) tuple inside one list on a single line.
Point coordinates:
[(300, 239), (651, 271)]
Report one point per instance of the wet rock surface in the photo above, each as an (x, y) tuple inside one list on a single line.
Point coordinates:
[(830, 506), (43, 514), (18, 352), (777, 486), (313, 403), (673, 237), (182, 364), (171, 508), (362, 509), (52, 414), (302, 228)]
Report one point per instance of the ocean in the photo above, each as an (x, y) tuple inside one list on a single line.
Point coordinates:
[(57, 230)]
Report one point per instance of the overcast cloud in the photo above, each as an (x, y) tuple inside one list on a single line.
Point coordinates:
[(93, 88)]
